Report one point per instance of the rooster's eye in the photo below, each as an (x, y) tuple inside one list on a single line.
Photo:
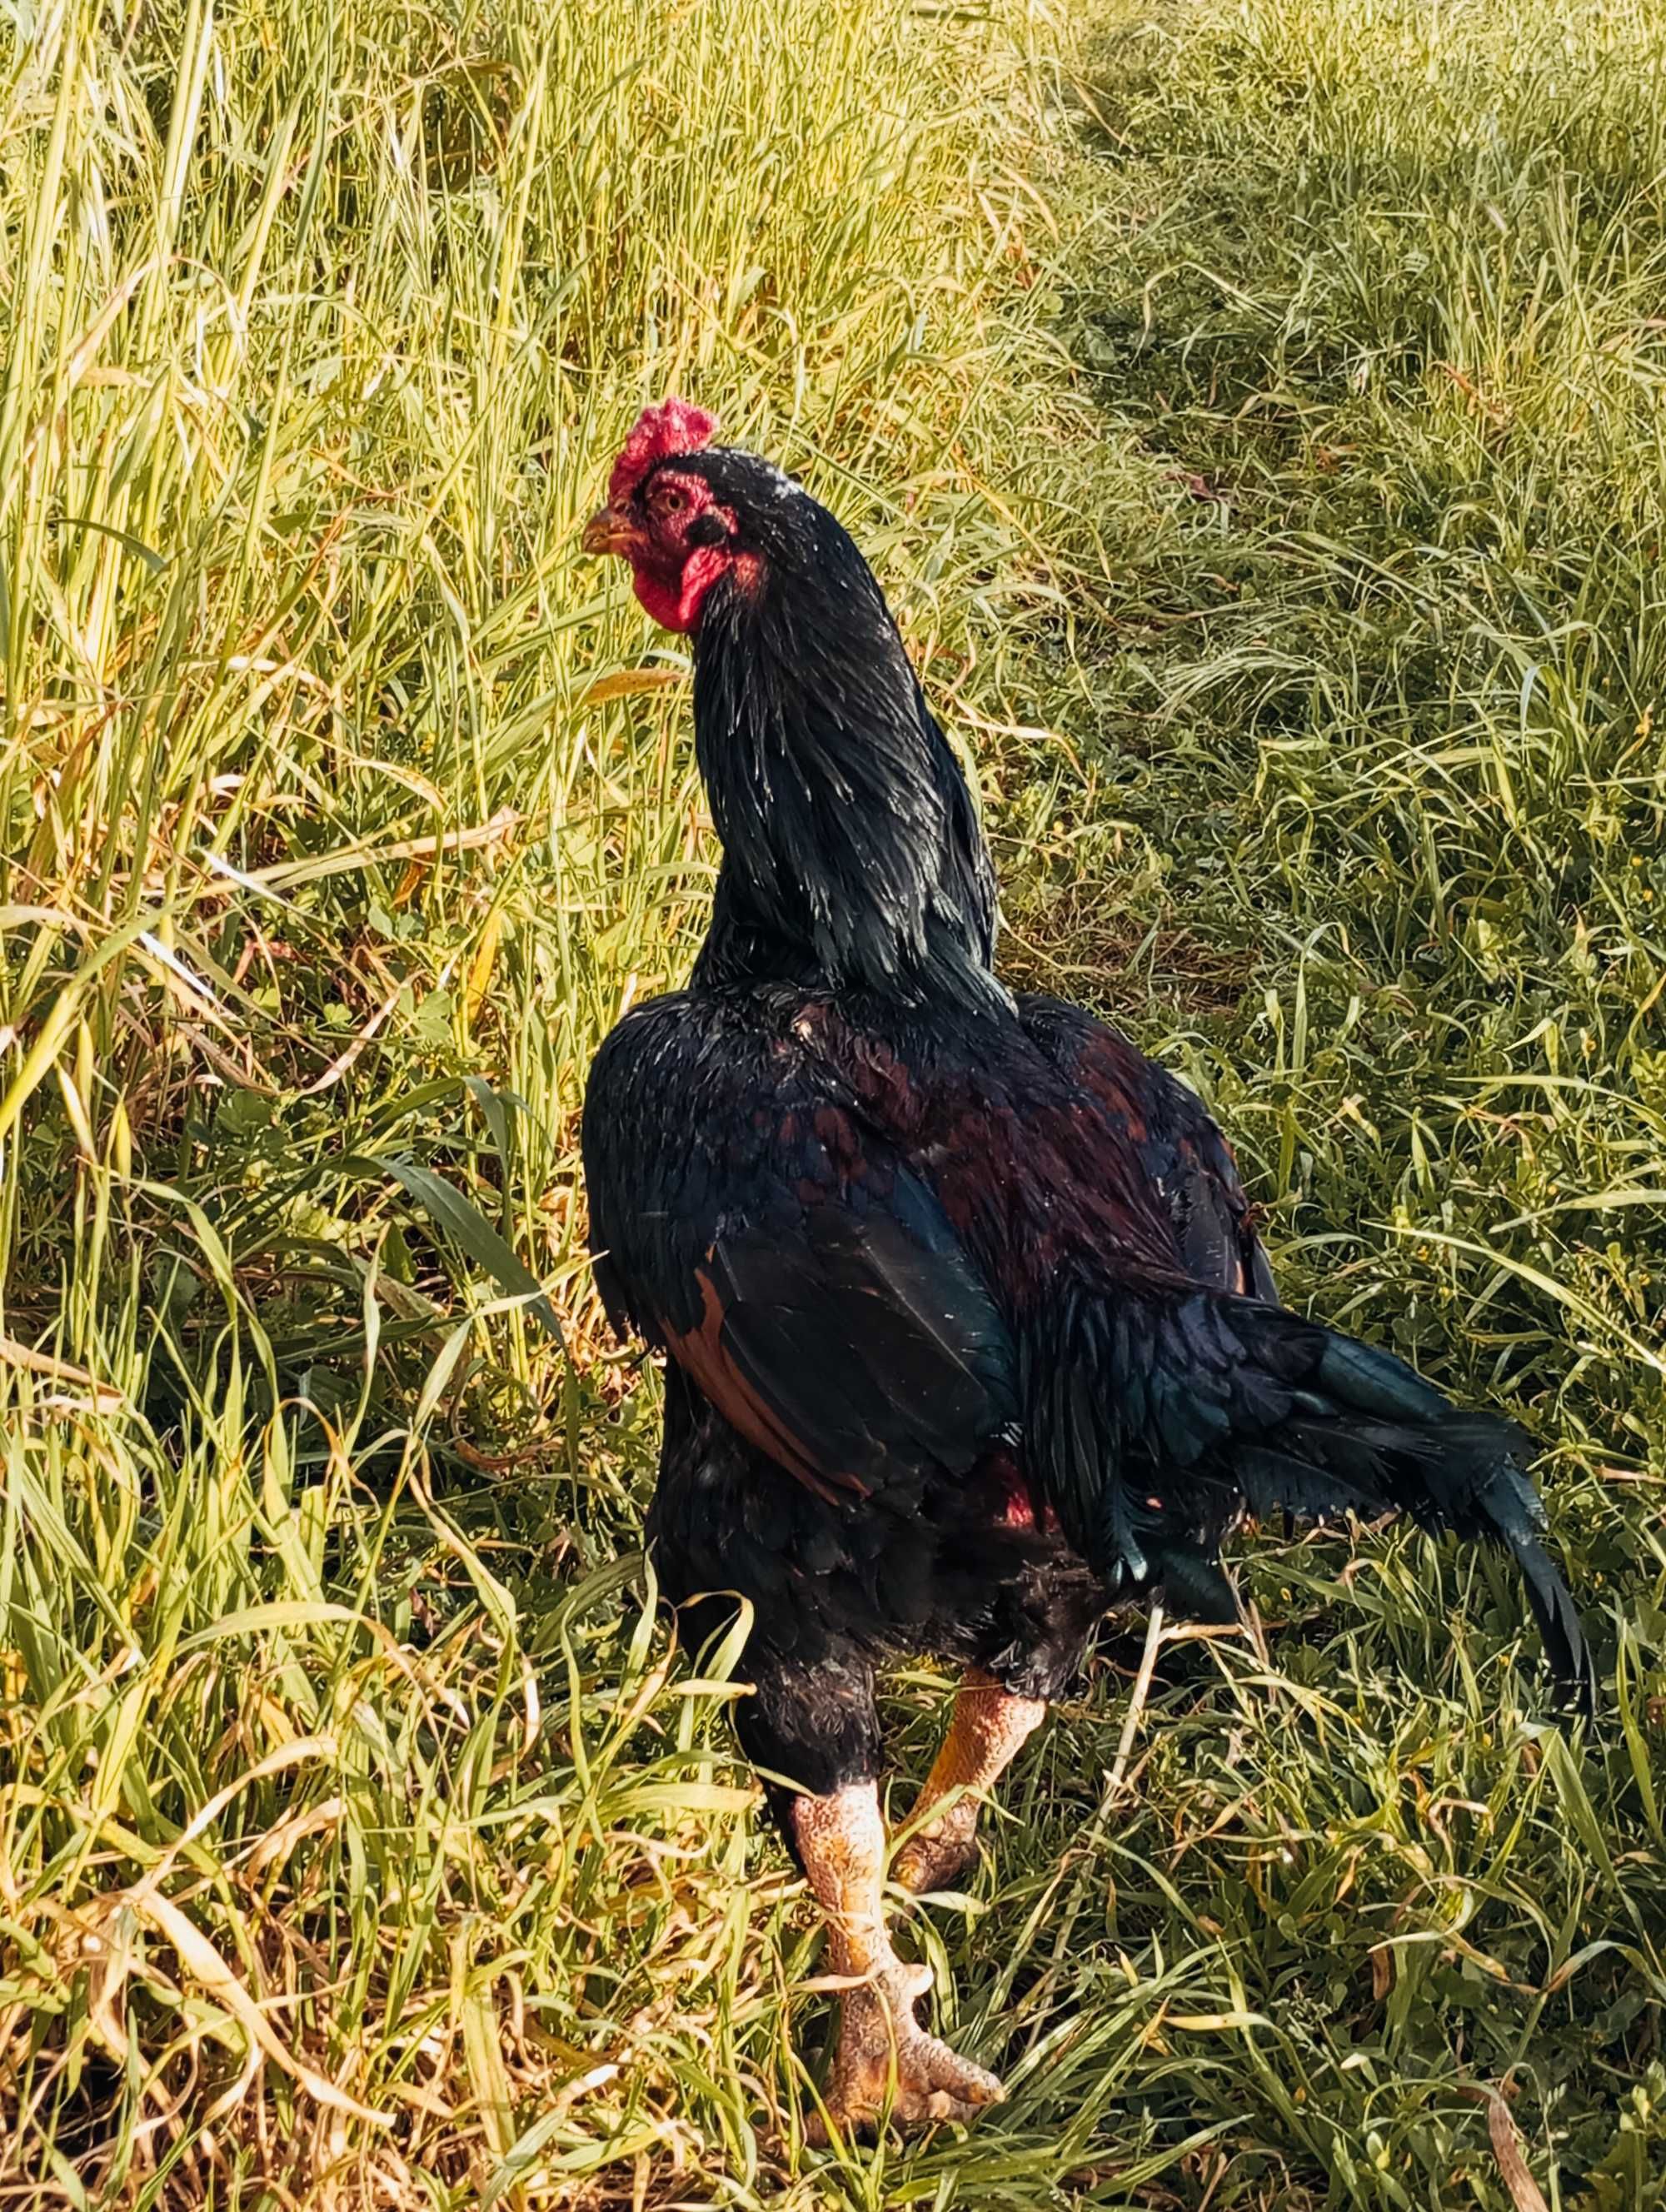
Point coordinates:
[(672, 501)]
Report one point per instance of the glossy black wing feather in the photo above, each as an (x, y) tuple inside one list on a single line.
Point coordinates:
[(847, 1314), (1186, 1160), (1169, 1408), (751, 1222), (1166, 1417)]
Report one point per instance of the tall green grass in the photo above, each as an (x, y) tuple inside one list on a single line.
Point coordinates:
[(362, 1838), (1368, 819), (351, 1843)]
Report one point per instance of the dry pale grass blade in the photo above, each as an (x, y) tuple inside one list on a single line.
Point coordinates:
[(103, 1396), (1526, 2194), (203, 1965)]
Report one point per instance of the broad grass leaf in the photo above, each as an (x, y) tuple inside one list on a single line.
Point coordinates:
[(462, 1219)]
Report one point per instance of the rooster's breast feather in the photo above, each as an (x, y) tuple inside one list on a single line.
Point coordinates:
[(749, 1220)]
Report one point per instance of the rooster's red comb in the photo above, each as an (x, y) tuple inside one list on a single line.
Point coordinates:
[(672, 426)]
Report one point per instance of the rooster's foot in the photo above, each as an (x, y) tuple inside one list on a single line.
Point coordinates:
[(886, 2064), (937, 1858)]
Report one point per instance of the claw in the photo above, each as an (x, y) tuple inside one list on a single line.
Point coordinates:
[(887, 2065), (885, 2062), (933, 1861)]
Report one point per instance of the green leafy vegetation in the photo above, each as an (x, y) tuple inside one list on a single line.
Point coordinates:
[(1256, 413)]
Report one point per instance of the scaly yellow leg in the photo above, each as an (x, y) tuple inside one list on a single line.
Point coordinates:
[(885, 2057), (988, 1727)]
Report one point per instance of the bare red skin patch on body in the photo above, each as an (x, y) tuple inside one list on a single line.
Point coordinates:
[(1012, 1502), (1017, 1507)]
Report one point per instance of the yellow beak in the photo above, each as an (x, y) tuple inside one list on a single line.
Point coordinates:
[(608, 530)]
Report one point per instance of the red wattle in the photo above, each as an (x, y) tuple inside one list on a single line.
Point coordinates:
[(677, 606)]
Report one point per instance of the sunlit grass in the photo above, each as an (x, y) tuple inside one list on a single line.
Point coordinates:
[(350, 1838), (362, 1840)]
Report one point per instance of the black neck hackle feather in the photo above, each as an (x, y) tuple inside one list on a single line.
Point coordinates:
[(851, 847)]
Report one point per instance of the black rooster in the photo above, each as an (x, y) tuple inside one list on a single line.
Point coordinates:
[(969, 1334)]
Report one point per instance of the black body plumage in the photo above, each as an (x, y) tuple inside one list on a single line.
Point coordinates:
[(969, 1333)]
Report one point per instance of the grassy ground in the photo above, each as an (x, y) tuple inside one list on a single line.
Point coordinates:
[(361, 1841)]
